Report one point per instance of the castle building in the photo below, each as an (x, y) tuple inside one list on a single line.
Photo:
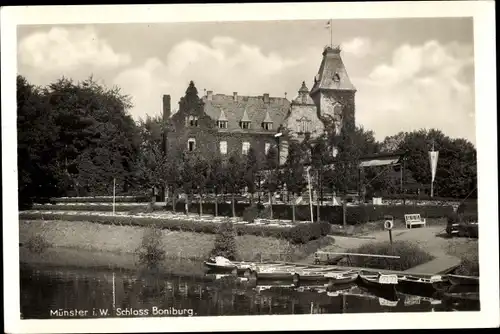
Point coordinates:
[(227, 123)]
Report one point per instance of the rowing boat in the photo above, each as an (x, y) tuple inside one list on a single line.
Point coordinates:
[(463, 280), (419, 286), (379, 284)]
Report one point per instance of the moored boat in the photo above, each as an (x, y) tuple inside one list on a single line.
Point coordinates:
[(419, 286), (221, 264), (463, 280), (379, 284)]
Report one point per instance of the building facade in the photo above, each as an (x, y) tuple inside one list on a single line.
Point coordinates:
[(227, 123)]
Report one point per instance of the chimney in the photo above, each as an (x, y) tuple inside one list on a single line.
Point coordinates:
[(235, 96), (266, 98), (166, 107), (209, 95)]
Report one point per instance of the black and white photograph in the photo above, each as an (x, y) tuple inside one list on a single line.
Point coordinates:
[(206, 166)]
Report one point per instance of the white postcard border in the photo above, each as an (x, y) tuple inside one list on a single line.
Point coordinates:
[(484, 41)]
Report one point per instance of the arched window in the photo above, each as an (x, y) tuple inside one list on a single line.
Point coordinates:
[(191, 144)]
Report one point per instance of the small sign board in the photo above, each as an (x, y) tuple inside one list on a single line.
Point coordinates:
[(388, 224)]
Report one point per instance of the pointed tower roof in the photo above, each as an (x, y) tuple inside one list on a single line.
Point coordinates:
[(267, 119), (332, 74), (222, 115), (303, 97), (304, 88), (245, 117)]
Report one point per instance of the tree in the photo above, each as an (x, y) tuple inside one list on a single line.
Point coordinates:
[(152, 166), (201, 176), (456, 172), (39, 178), (294, 172), (392, 143), (252, 167), (97, 139), (234, 177), (272, 175), (187, 177), (217, 177)]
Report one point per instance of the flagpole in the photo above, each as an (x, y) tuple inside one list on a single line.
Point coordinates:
[(331, 34)]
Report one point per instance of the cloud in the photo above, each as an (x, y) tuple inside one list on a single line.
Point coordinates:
[(358, 47), (424, 86), (67, 49), (224, 65)]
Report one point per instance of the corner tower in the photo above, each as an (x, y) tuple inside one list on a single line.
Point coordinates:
[(333, 93)]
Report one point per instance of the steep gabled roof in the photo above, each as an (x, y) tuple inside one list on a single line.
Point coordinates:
[(245, 117), (332, 74), (267, 119), (222, 116), (255, 107)]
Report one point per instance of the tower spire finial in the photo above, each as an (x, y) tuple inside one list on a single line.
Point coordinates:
[(329, 26)]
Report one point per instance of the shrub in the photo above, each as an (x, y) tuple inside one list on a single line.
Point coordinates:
[(325, 228), (150, 251), (469, 265), (251, 213), (467, 207), (305, 232), (465, 226), (37, 244), (265, 212), (225, 242), (411, 255), (356, 215)]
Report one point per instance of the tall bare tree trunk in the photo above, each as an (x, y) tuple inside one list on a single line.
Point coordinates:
[(293, 207), (216, 204), (232, 204), (186, 204), (201, 205), (344, 208), (271, 204), (173, 199)]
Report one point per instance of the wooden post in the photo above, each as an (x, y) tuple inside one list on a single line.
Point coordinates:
[(390, 236), (114, 293), (310, 195), (344, 208), (114, 195)]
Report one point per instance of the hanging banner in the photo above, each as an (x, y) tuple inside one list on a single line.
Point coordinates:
[(433, 159)]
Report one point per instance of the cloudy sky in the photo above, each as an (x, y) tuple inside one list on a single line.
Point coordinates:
[(409, 73)]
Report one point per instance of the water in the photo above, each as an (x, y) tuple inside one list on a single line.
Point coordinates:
[(52, 292)]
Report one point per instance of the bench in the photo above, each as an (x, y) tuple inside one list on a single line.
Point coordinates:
[(414, 219)]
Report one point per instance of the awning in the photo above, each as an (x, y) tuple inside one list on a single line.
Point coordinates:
[(379, 162)]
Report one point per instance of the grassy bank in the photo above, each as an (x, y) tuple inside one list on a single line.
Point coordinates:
[(299, 233), (468, 252), (112, 238), (410, 255)]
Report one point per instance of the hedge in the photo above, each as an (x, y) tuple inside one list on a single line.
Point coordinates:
[(301, 233), (97, 207), (97, 199), (332, 214)]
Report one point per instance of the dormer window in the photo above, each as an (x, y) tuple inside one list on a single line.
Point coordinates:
[(193, 121), (267, 125), (245, 121), (222, 124), (336, 77), (245, 125)]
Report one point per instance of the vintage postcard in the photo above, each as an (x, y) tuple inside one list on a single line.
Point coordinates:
[(240, 167)]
